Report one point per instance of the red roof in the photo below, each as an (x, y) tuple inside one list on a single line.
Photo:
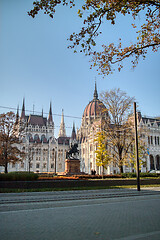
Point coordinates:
[(95, 108), (37, 120)]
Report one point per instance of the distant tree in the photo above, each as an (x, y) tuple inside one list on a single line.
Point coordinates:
[(9, 140), (97, 12), (118, 128), (102, 155), (142, 152)]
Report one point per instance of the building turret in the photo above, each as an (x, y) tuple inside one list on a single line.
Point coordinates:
[(95, 95), (50, 119), (62, 130), (23, 110), (73, 136), (17, 115)]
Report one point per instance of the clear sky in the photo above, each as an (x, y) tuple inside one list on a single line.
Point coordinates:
[(36, 64)]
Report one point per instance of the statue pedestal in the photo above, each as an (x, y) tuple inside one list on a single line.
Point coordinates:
[(72, 166)]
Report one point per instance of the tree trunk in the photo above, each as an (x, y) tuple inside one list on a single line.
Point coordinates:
[(121, 168), (6, 167), (102, 172)]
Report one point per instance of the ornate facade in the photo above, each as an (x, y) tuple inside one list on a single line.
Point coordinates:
[(45, 153), (92, 118), (151, 135)]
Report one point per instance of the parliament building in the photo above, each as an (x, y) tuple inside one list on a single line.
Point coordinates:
[(45, 153)]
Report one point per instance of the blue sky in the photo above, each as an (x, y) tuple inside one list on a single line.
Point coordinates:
[(36, 64)]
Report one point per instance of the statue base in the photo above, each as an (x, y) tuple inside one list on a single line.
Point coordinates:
[(72, 166)]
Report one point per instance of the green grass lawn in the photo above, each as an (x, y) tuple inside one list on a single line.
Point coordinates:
[(7, 190)]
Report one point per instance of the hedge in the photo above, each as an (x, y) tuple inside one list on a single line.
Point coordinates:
[(18, 176)]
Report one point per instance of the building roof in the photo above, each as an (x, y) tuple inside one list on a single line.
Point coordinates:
[(151, 120), (63, 140), (37, 120), (95, 107)]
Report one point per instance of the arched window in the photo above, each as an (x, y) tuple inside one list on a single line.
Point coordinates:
[(157, 162), (29, 135), (36, 137), (42, 137), (152, 163), (155, 140), (91, 147)]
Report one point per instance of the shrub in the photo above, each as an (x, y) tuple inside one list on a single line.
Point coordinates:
[(149, 174), (128, 175), (143, 175), (18, 176)]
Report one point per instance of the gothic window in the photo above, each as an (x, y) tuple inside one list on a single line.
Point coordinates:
[(37, 165), (22, 165), (151, 163), (36, 137), (90, 165), (44, 165), (149, 140), (52, 165), (42, 137), (155, 140), (158, 140), (29, 135), (158, 162), (114, 164), (91, 147)]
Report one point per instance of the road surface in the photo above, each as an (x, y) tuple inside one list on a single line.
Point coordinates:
[(81, 215)]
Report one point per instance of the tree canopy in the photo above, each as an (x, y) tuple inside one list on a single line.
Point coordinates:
[(95, 13), (9, 140), (102, 155), (118, 129)]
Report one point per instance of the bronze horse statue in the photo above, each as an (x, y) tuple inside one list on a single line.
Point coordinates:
[(73, 150)]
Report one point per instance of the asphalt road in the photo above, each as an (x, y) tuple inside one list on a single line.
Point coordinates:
[(81, 215)]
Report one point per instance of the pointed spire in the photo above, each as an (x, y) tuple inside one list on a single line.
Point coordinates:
[(62, 130), (50, 119), (95, 95), (17, 114), (23, 109), (42, 112), (73, 136)]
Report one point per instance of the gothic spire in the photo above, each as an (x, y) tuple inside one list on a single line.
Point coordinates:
[(62, 130), (95, 95), (73, 136), (17, 114), (23, 109), (50, 119)]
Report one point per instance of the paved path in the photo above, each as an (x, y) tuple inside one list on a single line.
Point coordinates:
[(132, 215)]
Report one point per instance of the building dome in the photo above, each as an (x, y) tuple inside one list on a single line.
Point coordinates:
[(95, 108)]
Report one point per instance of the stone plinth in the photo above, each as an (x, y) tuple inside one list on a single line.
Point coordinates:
[(72, 166)]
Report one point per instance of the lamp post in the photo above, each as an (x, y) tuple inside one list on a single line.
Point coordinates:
[(136, 147)]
